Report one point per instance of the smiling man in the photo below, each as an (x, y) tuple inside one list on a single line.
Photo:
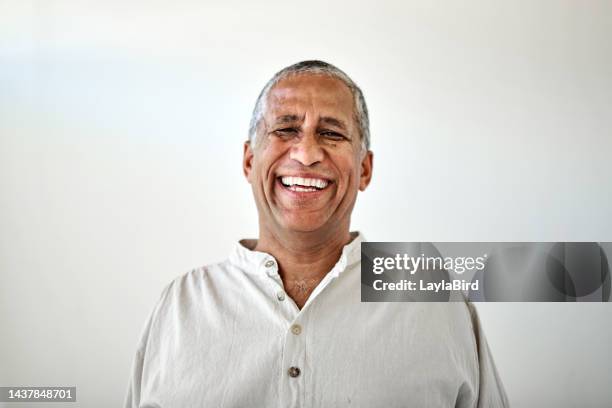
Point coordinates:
[(305, 161), (280, 322)]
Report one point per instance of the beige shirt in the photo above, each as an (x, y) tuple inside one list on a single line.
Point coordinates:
[(227, 335)]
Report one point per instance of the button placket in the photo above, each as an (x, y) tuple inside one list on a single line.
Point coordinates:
[(293, 363), (270, 266)]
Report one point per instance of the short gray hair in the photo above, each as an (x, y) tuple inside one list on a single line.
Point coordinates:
[(314, 67)]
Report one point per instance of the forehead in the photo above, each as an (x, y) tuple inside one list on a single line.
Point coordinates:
[(320, 94)]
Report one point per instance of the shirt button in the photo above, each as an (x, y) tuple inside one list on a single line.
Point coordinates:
[(296, 329), (280, 296), (294, 372), (269, 264)]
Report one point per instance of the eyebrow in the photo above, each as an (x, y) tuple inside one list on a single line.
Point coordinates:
[(284, 119), (333, 122)]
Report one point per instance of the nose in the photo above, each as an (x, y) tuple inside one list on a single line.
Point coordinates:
[(307, 150)]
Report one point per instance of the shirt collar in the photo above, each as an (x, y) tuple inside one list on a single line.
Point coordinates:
[(257, 262)]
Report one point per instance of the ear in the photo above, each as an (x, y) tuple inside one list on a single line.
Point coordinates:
[(247, 160), (366, 170)]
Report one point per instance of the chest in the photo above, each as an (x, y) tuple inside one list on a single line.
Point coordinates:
[(345, 354)]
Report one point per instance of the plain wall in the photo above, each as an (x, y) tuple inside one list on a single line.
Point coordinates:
[(121, 130)]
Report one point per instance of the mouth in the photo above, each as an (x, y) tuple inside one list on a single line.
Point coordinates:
[(304, 184)]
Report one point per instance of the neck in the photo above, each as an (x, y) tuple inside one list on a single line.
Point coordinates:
[(304, 258)]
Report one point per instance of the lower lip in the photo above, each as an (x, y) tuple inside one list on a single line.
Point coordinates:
[(302, 194)]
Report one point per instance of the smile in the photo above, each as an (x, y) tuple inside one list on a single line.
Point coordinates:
[(303, 184)]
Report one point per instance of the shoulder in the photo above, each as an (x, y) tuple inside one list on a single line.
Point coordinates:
[(452, 323), (190, 284), (187, 295), (455, 315)]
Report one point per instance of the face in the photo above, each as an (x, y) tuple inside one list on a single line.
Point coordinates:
[(307, 163)]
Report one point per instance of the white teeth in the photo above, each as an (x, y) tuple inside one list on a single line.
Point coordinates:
[(304, 182), (296, 188)]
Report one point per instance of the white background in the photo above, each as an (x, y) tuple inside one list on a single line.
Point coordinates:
[(121, 130)]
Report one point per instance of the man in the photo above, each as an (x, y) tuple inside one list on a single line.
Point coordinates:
[(280, 323)]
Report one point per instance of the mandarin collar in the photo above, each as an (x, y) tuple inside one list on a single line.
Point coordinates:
[(262, 262)]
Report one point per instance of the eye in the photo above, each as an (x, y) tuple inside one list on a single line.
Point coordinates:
[(286, 132), (331, 135)]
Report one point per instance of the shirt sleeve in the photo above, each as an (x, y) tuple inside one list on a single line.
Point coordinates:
[(133, 395), (491, 393), (132, 399)]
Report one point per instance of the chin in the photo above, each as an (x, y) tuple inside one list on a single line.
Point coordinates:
[(299, 223)]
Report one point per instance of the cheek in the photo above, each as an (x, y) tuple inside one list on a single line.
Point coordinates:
[(349, 171), (268, 155)]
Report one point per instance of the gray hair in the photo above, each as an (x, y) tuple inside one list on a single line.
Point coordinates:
[(314, 67)]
